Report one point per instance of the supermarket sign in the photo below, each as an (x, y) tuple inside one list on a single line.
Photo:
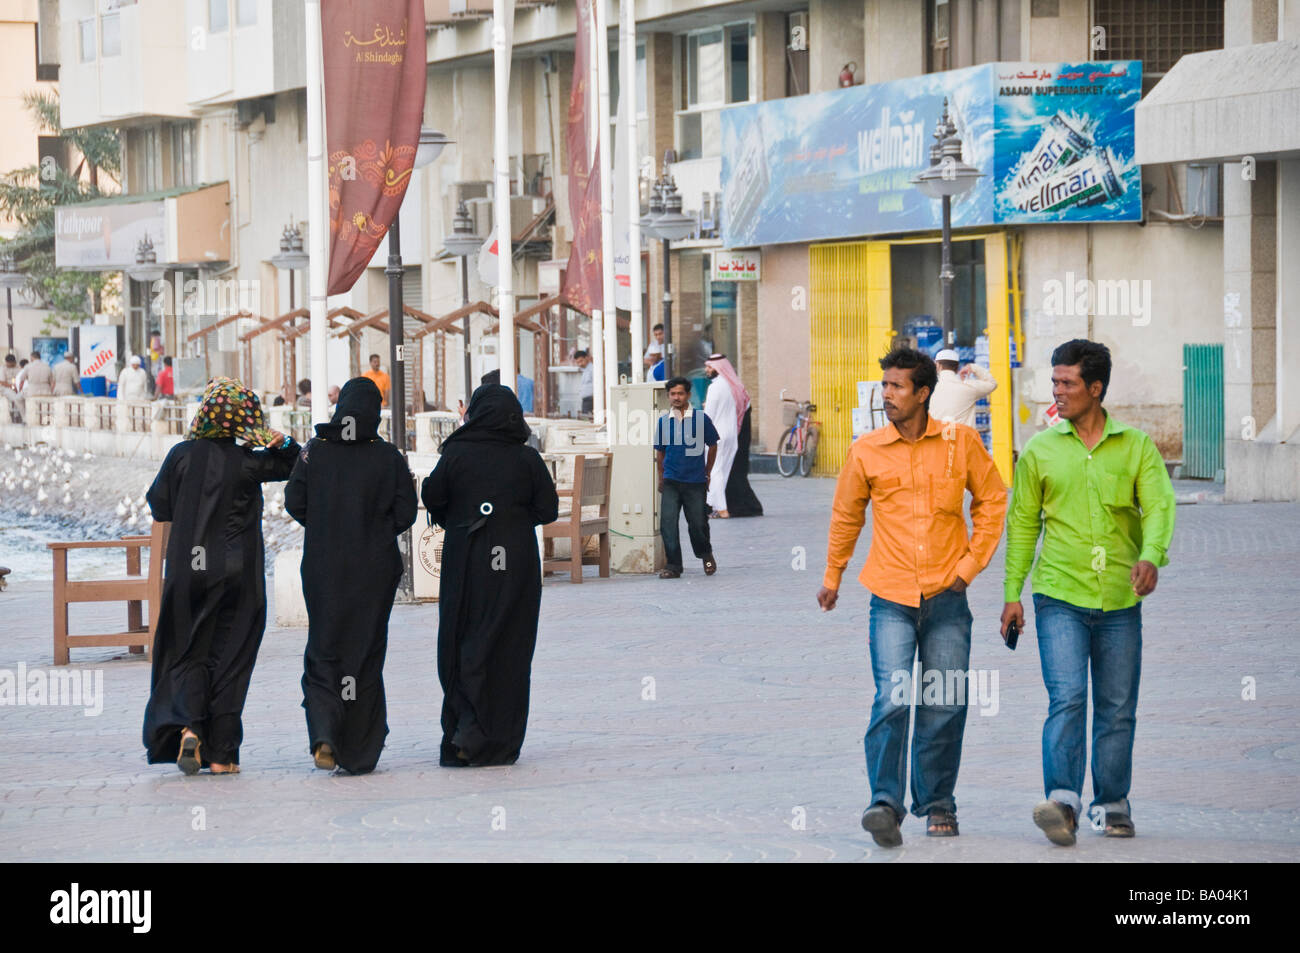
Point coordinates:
[(736, 265)]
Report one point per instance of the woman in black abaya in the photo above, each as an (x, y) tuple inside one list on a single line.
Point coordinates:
[(213, 610), (741, 500), (354, 494), (489, 491)]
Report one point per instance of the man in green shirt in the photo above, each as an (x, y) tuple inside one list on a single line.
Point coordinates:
[(1098, 493)]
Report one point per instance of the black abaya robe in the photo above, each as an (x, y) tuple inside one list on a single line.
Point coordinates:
[(741, 500), (491, 577), (213, 610), (354, 494)]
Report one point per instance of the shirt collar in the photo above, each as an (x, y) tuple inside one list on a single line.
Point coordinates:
[(1112, 426), (680, 414), (933, 428)]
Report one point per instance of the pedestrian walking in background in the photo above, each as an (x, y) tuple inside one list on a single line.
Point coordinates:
[(133, 382), (587, 383), (686, 448), (67, 379), (727, 404), (166, 382), (1098, 492), (213, 610), (379, 378), (489, 491), (654, 352), (956, 394), (36, 378), (915, 471), (354, 495)]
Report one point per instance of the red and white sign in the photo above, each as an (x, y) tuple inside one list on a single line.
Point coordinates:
[(736, 265)]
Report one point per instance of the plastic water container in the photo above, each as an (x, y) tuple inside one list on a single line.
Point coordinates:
[(94, 386)]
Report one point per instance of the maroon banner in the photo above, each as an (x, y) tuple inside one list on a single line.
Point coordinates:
[(373, 54), (583, 289)]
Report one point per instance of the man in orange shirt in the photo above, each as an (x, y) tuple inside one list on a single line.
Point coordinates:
[(382, 380), (916, 470)]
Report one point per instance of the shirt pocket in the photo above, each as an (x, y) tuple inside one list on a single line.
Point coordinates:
[(947, 494), (1116, 492), (884, 486)]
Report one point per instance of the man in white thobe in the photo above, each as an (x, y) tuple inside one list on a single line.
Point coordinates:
[(956, 395), (133, 382), (725, 404)]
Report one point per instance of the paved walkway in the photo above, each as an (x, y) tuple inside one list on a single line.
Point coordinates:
[(751, 748)]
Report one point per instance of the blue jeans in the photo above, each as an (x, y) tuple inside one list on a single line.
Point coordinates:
[(1068, 639), (940, 629)]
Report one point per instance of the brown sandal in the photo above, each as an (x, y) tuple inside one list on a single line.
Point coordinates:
[(324, 757), (710, 566), (670, 574), (231, 768)]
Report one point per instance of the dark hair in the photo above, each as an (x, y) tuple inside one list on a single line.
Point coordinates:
[(581, 353), (10, 359), (374, 356), (678, 382), (1092, 359), (304, 386), (167, 360), (658, 327), (924, 372), (278, 402)]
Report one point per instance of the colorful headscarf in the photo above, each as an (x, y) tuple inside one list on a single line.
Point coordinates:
[(229, 409)]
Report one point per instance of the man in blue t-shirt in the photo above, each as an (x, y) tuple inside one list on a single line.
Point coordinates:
[(681, 438)]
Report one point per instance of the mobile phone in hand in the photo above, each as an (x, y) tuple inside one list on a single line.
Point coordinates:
[(1013, 634)]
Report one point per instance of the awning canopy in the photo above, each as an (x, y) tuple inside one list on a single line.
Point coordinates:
[(1222, 105)]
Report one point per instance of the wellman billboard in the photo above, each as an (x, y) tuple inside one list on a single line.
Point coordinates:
[(1055, 144)]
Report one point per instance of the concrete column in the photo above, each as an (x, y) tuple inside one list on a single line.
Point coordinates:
[(772, 43), (1288, 301), (1249, 299), (836, 37), (1249, 21), (895, 40)]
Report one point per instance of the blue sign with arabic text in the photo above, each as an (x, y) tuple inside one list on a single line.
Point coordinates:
[(1055, 144)]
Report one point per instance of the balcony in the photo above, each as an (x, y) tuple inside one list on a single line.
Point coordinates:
[(244, 58), (121, 64)]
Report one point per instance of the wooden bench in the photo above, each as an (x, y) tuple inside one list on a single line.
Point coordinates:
[(133, 589), (591, 475)]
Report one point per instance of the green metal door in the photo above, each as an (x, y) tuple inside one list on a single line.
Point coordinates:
[(1202, 410)]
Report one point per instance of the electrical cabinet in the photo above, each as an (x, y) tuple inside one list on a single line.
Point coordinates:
[(633, 411)]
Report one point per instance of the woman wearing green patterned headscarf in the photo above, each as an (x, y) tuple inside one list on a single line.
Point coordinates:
[(213, 610)]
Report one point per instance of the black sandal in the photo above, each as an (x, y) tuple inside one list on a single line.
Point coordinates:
[(1119, 824), (189, 760), (1057, 821), (940, 818), (670, 574), (883, 824)]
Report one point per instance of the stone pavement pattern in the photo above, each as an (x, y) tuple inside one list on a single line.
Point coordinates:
[(760, 702)]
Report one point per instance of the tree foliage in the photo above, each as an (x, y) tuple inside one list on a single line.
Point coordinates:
[(29, 196)]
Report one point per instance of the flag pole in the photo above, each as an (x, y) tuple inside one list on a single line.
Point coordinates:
[(610, 311), (317, 216), (503, 12), (627, 94)]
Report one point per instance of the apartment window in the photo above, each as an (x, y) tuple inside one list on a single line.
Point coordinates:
[(52, 147), (245, 12), (796, 53), (45, 72), (86, 33), (940, 46), (218, 16), (1158, 32), (110, 35), (717, 67), (144, 155), (183, 164)]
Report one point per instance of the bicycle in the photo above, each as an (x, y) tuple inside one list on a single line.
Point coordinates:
[(798, 447)]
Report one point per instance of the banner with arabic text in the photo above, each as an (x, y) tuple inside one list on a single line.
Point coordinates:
[(374, 65)]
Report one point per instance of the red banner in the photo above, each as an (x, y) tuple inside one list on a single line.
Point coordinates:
[(374, 67), (583, 289)]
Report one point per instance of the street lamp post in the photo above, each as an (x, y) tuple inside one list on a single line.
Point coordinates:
[(946, 176), (666, 222), (292, 257), (462, 243), (147, 270), (10, 278), (430, 147)]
